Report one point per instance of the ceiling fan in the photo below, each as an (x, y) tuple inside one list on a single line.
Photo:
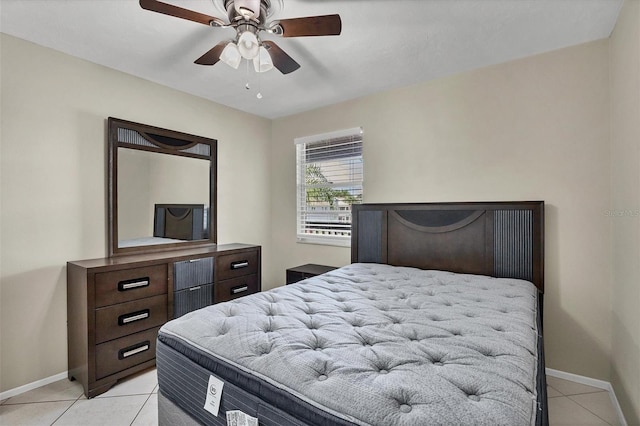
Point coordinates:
[(248, 18)]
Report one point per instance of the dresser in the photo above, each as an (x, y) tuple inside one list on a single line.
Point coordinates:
[(116, 305)]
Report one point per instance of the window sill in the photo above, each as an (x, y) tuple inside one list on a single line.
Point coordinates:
[(325, 241)]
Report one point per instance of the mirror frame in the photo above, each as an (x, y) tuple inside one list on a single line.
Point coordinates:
[(162, 141)]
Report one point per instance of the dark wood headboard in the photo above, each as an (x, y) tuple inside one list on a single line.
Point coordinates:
[(500, 239)]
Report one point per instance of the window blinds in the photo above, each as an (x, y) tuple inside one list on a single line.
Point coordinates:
[(329, 181)]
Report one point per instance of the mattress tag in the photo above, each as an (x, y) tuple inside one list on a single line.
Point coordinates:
[(238, 418), (214, 394)]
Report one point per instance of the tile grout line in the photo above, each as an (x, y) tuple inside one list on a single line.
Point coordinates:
[(120, 396), (42, 402), (575, 394), (582, 406), (578, 394), (587, 408), (140, 410), (588, 393), (68, 408), (562, 395)]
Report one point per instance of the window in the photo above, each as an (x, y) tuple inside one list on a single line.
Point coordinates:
[(329, 181)]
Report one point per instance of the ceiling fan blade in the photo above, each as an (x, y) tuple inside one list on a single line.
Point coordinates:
[(179, 12), (213, 55), (311, 26), (283, 62)]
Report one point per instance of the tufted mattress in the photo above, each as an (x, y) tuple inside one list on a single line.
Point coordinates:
[(366, 344)]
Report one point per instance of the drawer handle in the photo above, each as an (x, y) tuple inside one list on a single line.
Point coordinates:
[(133, 317), (195, 288), (239, 265), (133, 350), (133, 284), (239, 289)]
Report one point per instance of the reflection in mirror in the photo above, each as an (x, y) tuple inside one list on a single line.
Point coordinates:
[(180, 183), (162, 189)]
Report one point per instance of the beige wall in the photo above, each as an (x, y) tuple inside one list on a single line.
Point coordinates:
[(625, 167), (134, 167), (532, 129), (53, 180)]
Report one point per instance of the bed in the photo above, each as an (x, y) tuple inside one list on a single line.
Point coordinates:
[(438, 320)]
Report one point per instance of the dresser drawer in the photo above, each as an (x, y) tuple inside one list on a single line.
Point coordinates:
[(130, 284), (237, 287), (191, 273), (120, 354), (128, 318), (190, 299), (236, 265)]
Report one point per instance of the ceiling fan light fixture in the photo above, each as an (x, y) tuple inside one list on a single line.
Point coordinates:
[(262, 62), (248, 45), (231, 55)]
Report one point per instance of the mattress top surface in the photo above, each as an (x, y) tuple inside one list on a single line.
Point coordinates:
[(383, 345)]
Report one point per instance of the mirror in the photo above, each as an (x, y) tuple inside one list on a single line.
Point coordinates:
[(161, 189)]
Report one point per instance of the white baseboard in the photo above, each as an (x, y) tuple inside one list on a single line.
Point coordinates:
[(600, 384), (33, 385)]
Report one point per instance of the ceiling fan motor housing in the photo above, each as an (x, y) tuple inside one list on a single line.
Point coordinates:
[(244, 10)]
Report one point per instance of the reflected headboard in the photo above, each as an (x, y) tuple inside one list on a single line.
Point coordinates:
[(179, 221), (500, 239)]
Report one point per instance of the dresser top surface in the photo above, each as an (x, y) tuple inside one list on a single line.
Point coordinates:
[(162, 256)]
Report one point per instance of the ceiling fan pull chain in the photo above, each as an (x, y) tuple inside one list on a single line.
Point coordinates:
[(259, 94), (247, 86)]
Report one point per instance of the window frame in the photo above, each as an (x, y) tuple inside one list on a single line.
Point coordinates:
[(302, 144)]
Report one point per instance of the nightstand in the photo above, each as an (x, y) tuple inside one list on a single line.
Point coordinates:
[(306, 271)]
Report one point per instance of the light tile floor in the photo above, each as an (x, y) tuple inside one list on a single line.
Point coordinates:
[(131, 402), (134, 402), (572, 403)]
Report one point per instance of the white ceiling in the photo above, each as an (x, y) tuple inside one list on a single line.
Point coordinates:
[(384, 44)]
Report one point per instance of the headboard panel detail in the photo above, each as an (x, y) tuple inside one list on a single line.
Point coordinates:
[(513, 244), (436, 221), (501, 239), (373, 240), (408, 245)]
